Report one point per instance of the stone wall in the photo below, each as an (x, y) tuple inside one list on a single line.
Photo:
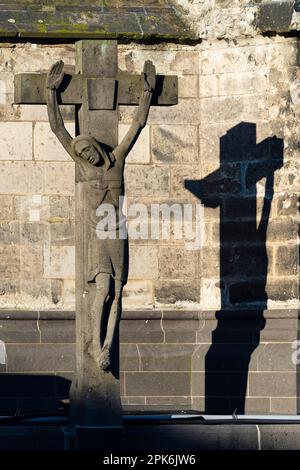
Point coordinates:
[(219, 321)]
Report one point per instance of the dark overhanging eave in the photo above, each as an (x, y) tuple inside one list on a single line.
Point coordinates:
[(276, 17), (65, 22)]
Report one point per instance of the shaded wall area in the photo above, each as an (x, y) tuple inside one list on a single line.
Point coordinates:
[(164, 360), (244, 259)]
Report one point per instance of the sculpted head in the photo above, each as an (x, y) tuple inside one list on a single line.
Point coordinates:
[(87, 148)]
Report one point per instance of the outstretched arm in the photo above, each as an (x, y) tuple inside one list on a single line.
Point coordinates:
[(54, 79), (141, 114)]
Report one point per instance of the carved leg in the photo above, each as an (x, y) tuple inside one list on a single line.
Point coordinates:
[(102, 291), (112, 327)]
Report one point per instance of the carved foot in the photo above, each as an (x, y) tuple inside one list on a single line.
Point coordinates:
[(104, 360)]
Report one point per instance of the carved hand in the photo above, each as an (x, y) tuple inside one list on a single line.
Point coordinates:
[(149, 76), (55, 75)]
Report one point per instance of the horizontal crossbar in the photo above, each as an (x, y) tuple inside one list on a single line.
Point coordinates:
[(103, 93)]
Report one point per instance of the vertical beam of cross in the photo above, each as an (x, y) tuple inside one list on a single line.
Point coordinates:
[(95, 395)]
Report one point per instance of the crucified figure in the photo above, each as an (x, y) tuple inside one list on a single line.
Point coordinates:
[(102, 179)]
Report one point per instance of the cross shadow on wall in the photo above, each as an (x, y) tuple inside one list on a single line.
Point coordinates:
[(244, 260)]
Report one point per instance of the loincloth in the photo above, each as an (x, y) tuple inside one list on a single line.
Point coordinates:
[(108, 256)]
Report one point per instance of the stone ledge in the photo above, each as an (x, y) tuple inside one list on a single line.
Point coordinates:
[(182, 437), (92, 19), (233, 314)]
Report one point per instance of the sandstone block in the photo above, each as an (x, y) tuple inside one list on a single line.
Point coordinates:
[(60, 208), (62, 233), (273, 384), (185, 62), (181, 190), (69, 293), (145, 180), (186, 112), (287, 258), (59, 262), (47, 146), (143, 262), (183, 293), (32, 208), (158, 383), (140, 153), (166, 357), (237, 83), (10, 261), (175, 144), (188, 86), (21, 177), (138, 294), (60, 178), (35, 233), (8, 209), (16, 141)]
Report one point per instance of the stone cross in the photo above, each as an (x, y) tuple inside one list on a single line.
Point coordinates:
[(97, 88)]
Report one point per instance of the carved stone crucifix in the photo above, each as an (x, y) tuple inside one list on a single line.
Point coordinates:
[(101, 261)]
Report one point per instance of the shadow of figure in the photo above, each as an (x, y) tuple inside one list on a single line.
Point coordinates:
[(244, 220)]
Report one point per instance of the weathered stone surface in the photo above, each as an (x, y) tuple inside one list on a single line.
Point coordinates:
[(274, 384), (40, 358), (59, 179), (274, 357), (163, 383), (61, 208), (188, 86), (69, 293), (16, 142), (8, 209), (59, 262), (95, 21), (46, 146), (275, 16), (179, 176), (284, 438), (287, 260), (56, 331), (185, 334), (169, 402), (166, 357), (186, 112), (31, 261), (130, 360), (21, 178), (141, 150), (19, 331), (232, 79), (288, 204), (145, 181), (30, 88), (34, 233), (288, 405), (178, 263), (9, 233), (176, 292), (175, 144), (138, 294), (235, 83), (37, 294), (62, 233), (144, 331), (143, 262)]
